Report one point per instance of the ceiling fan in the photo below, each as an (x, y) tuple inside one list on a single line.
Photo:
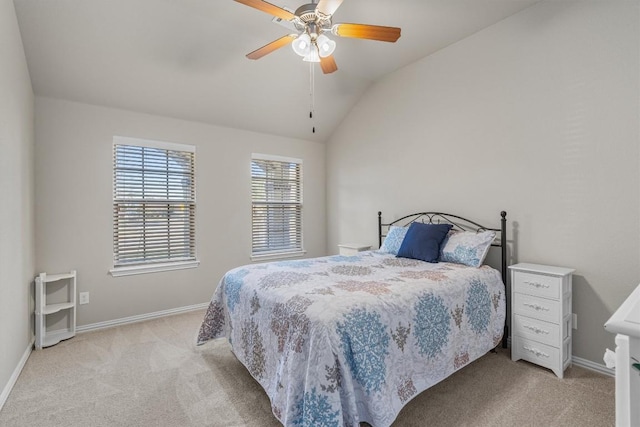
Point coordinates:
[(313, 20)]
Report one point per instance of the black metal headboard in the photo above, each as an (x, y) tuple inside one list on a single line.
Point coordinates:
[(459, 223)]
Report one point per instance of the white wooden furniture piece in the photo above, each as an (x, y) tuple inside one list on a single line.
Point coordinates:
[(350, 249), (626, 323), (46, 338), (541, 315)]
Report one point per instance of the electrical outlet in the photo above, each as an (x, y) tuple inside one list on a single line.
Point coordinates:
[(574, 321), (84, 297)]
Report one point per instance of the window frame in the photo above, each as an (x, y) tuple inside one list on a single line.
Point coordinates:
[(278, 253), (160, 264)]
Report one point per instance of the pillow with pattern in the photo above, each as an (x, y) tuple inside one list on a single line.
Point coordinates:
[(467, 247), (393, 241)]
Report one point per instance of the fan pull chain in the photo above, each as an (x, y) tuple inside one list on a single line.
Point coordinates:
[(311, 93)]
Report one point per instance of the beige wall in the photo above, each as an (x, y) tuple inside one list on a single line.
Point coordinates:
[(74, 202), (536, 115), (16, 193)]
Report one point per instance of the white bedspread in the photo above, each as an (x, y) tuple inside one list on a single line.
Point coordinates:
[(339, 340)]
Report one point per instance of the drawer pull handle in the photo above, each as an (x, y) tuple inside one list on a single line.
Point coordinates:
[(536, 284), (536, 329), (536, 306), (535, 351)]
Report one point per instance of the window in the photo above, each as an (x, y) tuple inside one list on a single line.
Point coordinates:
[(154, 206), (276, 206)]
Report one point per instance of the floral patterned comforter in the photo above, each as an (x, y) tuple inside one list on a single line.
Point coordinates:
[(339, 340)]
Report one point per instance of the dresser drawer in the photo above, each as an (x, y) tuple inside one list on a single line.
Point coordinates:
[(537, 353), (537, 284), (537, 330), (537, 308)]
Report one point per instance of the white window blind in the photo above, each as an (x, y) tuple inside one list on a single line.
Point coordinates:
[(154, 202), (276, 195)]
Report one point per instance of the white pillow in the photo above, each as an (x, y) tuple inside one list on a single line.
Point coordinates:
[(467, 247)]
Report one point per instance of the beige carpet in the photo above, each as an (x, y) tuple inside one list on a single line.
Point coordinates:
[(152, 374)]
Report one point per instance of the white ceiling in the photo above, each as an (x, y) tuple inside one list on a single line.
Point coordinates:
[(186, 58)]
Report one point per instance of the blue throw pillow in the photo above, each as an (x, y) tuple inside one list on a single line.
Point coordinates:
[(423, 241)]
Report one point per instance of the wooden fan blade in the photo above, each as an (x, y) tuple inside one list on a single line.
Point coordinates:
[(328, 64), (268, 48), (328, 7), (268, 8), (371, 32)]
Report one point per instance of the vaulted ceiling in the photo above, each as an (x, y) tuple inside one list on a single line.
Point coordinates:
[(186, 58)]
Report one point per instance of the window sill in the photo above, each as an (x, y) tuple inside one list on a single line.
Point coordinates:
[(152, 268), (278, 255)]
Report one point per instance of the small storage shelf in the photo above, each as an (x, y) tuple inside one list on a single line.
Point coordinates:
[(67, 285)]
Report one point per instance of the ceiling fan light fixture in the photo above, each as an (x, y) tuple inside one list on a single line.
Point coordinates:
[(312, 21), (302, 45), (326, 46)]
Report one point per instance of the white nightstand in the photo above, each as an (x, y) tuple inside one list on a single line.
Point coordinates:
[(541, 315), (350, 249)]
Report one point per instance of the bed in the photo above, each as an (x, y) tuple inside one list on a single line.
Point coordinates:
[(340, 340)]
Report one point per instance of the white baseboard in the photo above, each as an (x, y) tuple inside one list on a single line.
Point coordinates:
[(16, 373), (584, 363), (140, 317), (588, 364)]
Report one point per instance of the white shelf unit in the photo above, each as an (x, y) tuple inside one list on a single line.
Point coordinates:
[(46, 338)]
